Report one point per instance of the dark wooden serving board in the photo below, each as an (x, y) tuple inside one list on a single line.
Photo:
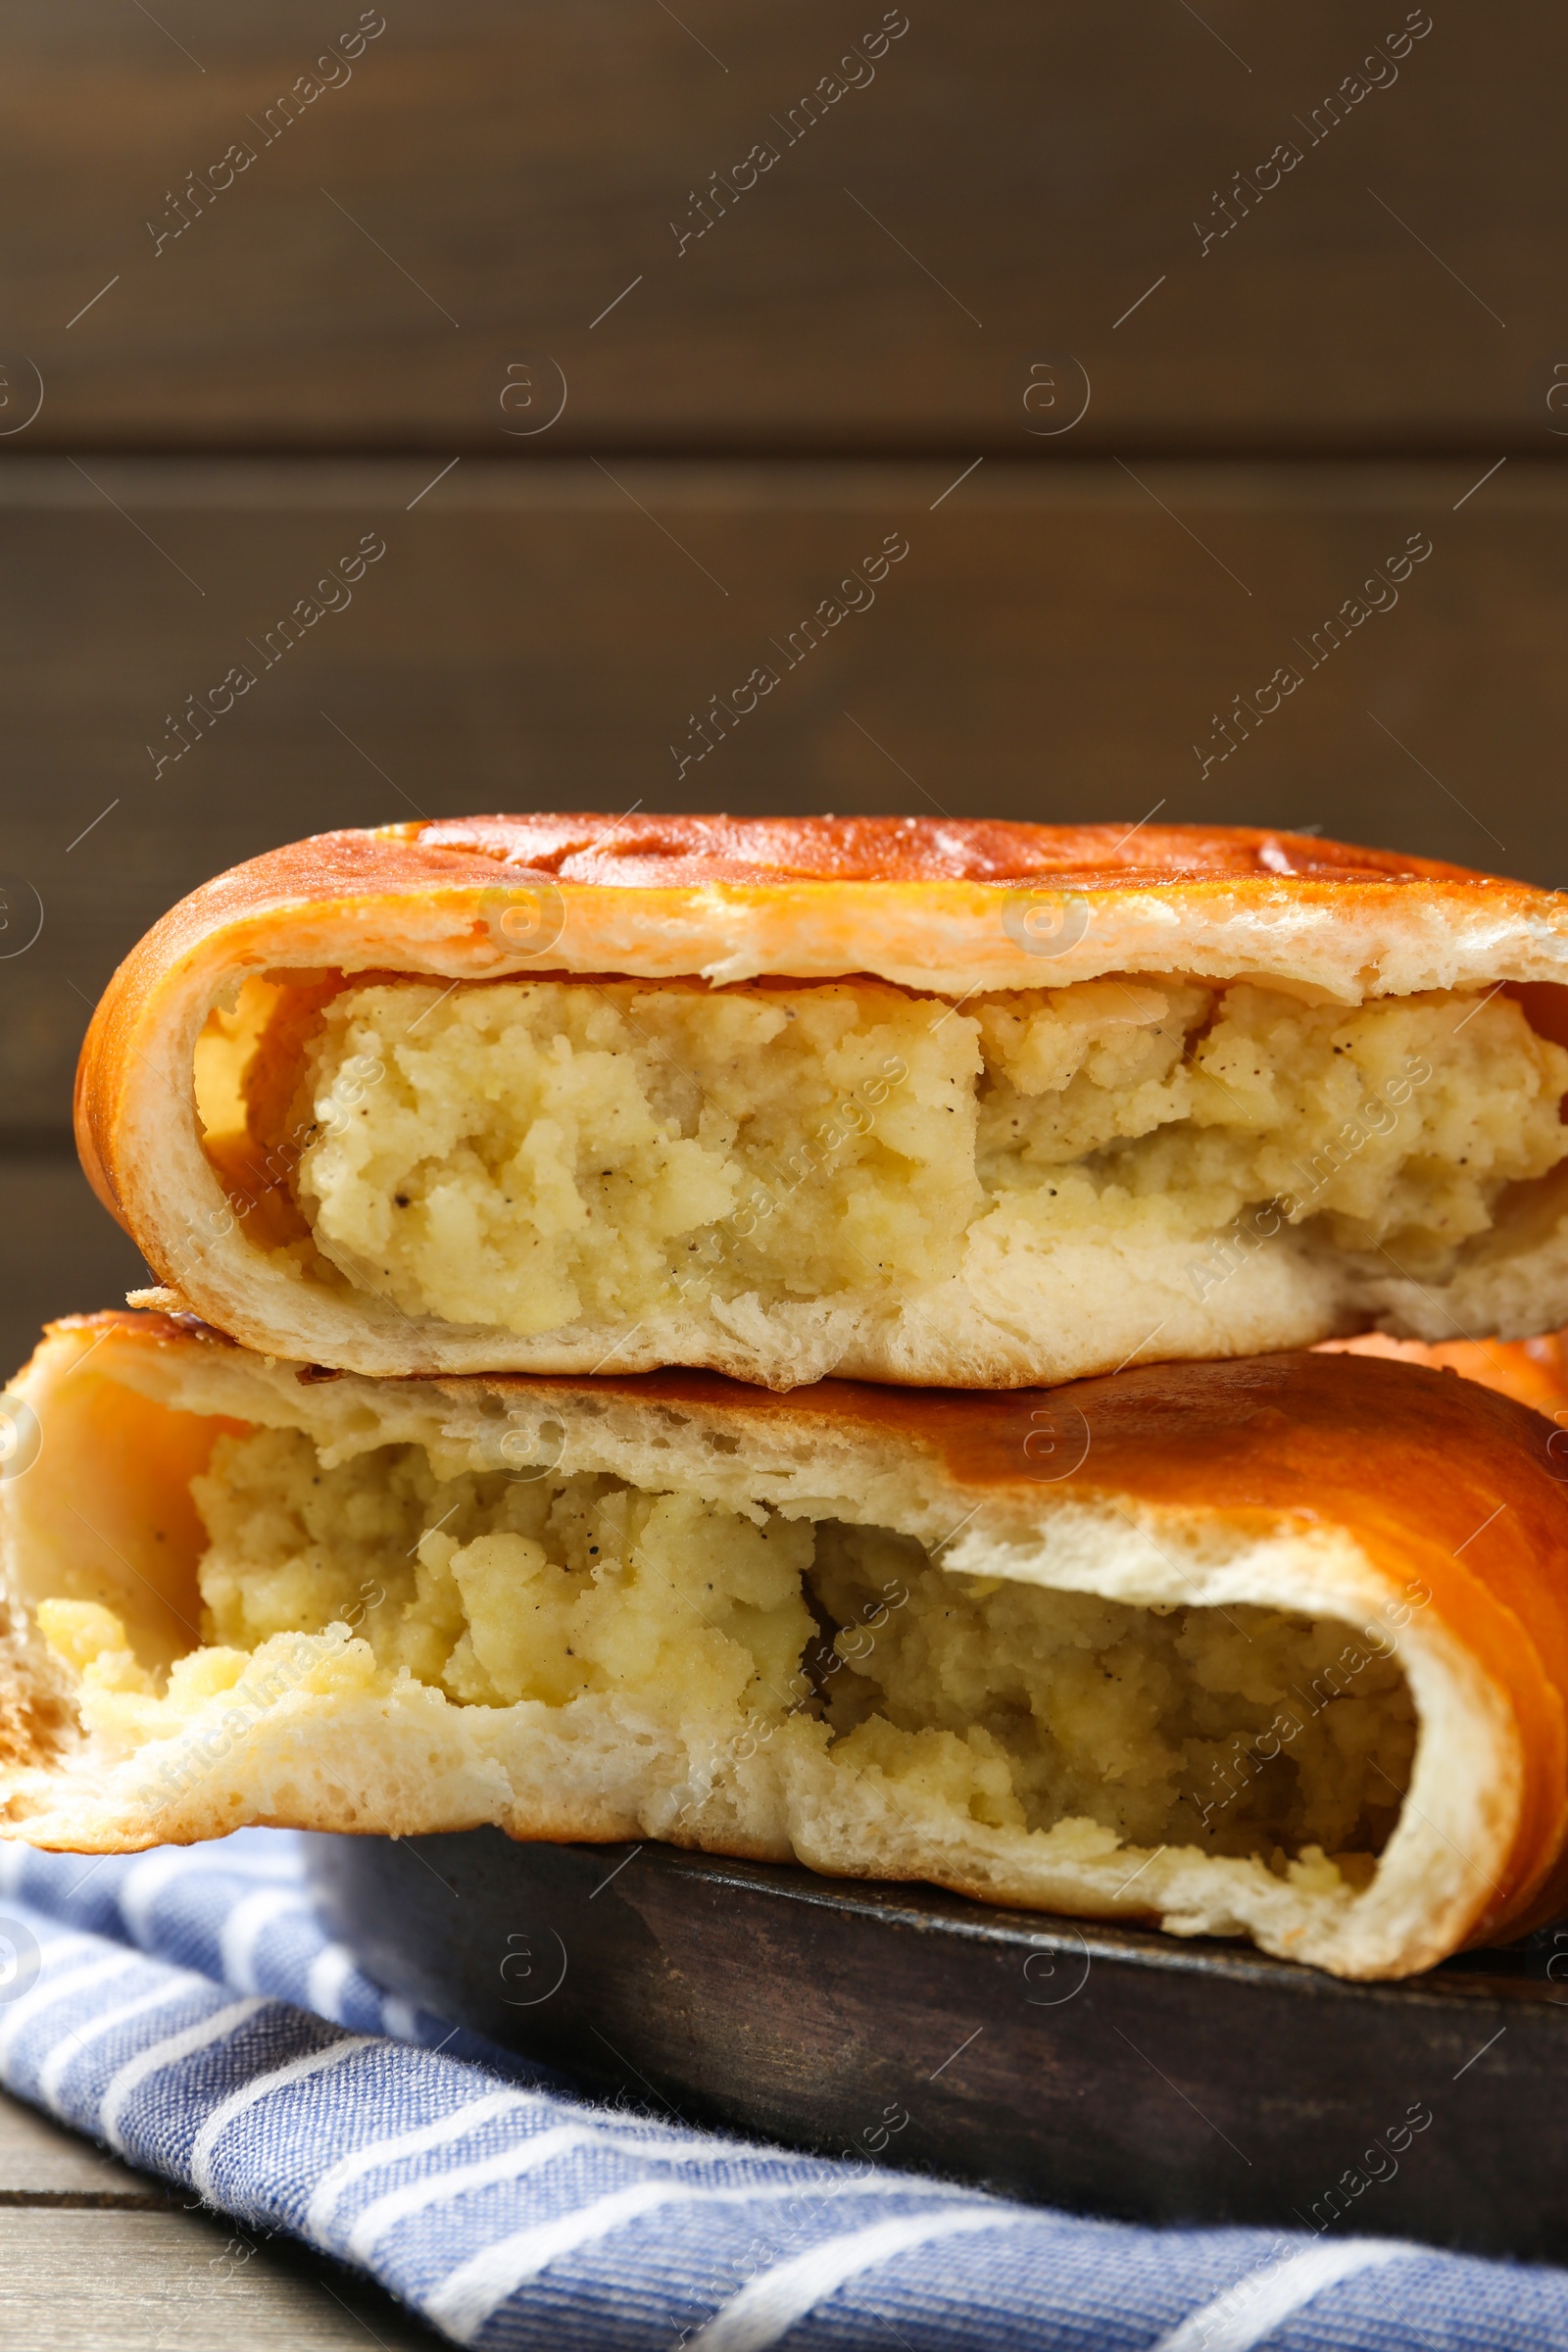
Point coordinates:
[(1107, 2070)]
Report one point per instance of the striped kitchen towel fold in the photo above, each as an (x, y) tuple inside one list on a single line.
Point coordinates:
[(188, 2009)]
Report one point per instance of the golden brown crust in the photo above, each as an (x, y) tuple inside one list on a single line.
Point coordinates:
[(945, 906), (1445, 1486), (1533, 1372), (637, 852)]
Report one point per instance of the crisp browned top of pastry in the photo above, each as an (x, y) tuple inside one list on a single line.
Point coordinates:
[(650, 849)]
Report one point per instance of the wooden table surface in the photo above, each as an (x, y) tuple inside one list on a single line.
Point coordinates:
[(92, 2254)]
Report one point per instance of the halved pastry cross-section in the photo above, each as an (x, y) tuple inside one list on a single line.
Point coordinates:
[(1274, 1649), (981, 1105)]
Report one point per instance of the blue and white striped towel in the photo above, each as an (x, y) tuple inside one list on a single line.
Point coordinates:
[(187, 2008)]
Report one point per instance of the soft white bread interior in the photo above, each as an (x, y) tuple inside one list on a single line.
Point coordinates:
[(1095, 1652)]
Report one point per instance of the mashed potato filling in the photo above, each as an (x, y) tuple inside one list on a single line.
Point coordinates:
[(535, 1154), (1247, 1732)]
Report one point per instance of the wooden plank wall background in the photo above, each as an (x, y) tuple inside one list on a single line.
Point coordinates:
[(626, 336)]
